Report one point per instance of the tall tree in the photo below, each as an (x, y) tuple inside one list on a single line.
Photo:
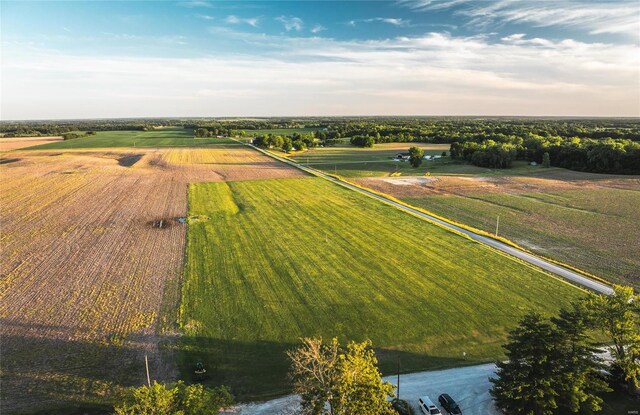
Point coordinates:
[(415, 156), (313, 371), (580, 381), (527, 382), (346, 381), (619, 317), (359, 388)]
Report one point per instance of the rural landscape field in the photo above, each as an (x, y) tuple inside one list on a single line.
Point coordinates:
[(265, 207)]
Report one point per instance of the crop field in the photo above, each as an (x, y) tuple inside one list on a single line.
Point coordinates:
[(271, 261), (165, 137), (589, 221), (349, 161), (92, 257), (15, 143)]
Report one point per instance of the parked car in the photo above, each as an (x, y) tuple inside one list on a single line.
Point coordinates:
[(449, 404), (428, 407)]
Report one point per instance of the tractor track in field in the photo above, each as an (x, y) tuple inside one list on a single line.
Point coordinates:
[(532, 259)]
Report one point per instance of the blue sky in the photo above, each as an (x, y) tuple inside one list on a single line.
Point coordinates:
[(414, 57)]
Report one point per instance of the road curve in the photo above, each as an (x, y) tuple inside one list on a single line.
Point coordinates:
[(565, 273)]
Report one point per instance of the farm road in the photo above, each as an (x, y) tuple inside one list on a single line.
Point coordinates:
[(469, 386), (525, 256)]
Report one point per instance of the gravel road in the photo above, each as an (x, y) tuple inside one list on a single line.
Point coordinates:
[(469, 386), (525, 256)]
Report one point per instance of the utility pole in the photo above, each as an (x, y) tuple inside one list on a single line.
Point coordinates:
[(146, 363), (497, 224), (398, 377)]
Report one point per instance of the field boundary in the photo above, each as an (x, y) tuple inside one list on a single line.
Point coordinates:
[(558, 268)]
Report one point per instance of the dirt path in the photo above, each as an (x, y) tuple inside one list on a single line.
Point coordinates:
[(469, 386)]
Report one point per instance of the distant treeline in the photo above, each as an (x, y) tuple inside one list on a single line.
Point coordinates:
[(599, 145)]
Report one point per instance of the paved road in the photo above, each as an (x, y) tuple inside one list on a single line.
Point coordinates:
[(469, 386), (525, 256)]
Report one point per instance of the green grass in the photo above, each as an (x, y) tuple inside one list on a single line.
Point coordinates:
[(271, 261), (595, 229), (166, 137), (350, 161)]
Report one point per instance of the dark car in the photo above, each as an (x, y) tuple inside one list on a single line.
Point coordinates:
[(449, 405)]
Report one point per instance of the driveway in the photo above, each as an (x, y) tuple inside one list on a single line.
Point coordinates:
[(469, 386)]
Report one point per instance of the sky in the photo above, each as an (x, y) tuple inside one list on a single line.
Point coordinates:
[(281, 58)]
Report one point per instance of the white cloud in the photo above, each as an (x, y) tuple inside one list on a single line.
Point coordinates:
[(318, 28), (205, 17), (594, 17), (389, 20), (251, 21), (291, 23), (435, 73)]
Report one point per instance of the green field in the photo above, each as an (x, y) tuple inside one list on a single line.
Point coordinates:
[(595, 229), (166, 137), (350, 161), (271, 261)]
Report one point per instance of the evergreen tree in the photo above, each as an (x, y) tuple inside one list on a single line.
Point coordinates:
[(527, 384)]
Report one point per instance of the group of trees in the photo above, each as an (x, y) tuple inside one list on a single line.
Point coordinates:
[(174, 399), (74, 135), (295, 142), (584, 154), (346, 380), (552, 363)]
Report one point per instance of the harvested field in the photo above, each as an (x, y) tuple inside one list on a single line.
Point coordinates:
[(590, 221), (89, 284), (15, 143)]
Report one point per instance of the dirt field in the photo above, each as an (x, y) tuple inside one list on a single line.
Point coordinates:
[(15, 143), (92, 251)]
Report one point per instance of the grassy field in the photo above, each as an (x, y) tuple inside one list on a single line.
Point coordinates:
[(166, 137), (594, 229), (350, 161), (271, 261)]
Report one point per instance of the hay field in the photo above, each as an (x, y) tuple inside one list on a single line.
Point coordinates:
[(270, 261), (590, 221), (89, 281)]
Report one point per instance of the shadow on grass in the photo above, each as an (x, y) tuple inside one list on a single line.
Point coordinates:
[(258, 370), (45, 375)]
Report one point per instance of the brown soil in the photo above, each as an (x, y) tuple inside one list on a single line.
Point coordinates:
[(15, 143), (467, 185), (85, 278)]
